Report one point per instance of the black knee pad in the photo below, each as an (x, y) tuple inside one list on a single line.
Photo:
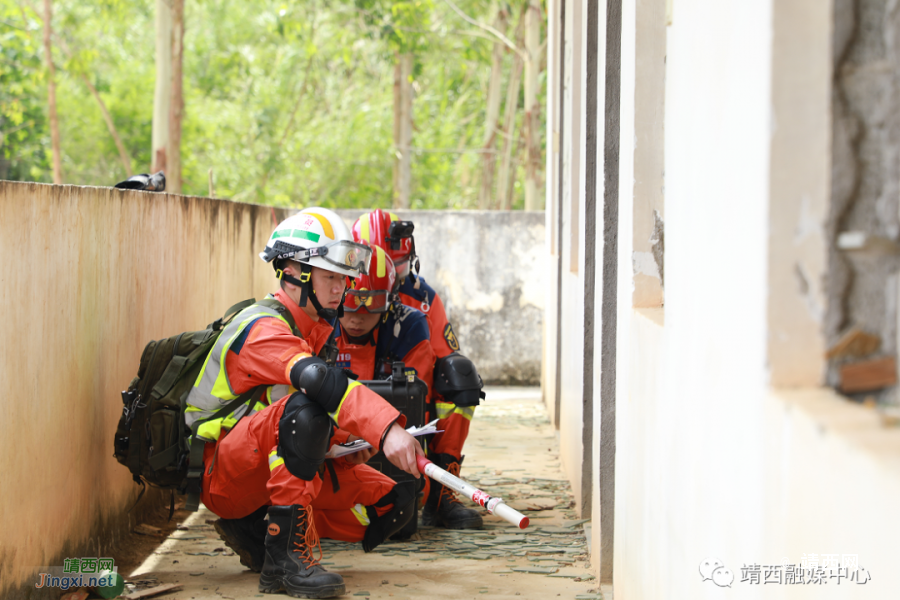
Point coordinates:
[(403, 497), (303, 434)]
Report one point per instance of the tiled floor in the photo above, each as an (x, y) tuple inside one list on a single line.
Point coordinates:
[(511, 452)]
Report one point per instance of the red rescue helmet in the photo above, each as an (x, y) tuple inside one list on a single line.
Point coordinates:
[(385, 230), (375, 290)]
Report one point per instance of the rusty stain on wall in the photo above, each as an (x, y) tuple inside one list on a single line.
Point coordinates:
[(89, 276)]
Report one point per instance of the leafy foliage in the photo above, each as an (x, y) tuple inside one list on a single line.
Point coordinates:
[(290, 102), (24, 137)]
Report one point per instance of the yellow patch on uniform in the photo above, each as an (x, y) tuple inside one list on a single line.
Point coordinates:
[(364, 229), (451, 338)]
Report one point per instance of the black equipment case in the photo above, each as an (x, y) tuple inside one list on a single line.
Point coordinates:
[(407, 393)]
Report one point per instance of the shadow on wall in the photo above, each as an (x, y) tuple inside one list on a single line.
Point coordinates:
[(489, 269)]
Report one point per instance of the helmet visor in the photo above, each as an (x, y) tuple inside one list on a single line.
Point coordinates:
[(374, 301), (349, 255)]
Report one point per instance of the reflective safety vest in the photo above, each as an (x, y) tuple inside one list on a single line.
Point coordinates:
[(213, 389)]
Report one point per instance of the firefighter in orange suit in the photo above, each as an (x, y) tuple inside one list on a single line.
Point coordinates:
[(270, 460), (454, 408)]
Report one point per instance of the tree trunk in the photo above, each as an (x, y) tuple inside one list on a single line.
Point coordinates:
[(110, 125), (404, 148), (51, 92), (534, 200), (396, 180), (173, 149), (509, 123), (163, 95), (489, 155), (516, 157)]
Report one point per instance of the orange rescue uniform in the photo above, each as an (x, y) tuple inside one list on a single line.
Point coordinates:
[(243, 471), (454, 421)]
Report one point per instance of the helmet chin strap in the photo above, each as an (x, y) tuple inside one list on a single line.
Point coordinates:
[(306, 293), (328, 313)]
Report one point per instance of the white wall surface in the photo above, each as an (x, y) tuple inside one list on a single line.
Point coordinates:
[(571, 334), (712, 462)]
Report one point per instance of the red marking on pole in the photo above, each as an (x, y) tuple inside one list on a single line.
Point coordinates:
[(422, 462), (480, 497)]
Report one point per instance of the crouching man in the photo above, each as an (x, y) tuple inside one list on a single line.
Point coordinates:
[(457, 387), (270, 461)]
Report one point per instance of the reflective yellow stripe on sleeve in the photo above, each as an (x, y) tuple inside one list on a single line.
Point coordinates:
[(351, 385), (210, 431), (359, 511), (445, 409), (274, 460)]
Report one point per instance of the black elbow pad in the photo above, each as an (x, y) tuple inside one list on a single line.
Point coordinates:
[(322, 384), (457, 380)]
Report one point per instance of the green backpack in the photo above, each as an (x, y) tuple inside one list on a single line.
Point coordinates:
[(152, 439)]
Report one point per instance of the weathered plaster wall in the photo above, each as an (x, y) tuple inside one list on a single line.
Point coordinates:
[(571, 333), (647, 46), (727, 446), (89, 276), (489, 267), (552, 218), (863, 288), (798, 192)]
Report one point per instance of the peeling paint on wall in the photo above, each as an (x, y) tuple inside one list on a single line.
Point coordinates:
[(861, 289), (810, 292), (657, 246), (807, 225), (492, 302), (644, 263)]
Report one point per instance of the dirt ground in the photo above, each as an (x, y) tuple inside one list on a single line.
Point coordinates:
[(511, 452)]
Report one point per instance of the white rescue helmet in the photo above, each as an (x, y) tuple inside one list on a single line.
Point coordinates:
[(319, 238)]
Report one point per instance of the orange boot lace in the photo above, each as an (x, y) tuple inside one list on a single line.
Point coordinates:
[(446, 492), (309, 540)]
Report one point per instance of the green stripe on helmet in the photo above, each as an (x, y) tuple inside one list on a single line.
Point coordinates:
[(297, 233)]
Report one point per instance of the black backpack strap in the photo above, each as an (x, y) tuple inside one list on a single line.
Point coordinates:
[(195, 466), (283, 311), (230, 313)]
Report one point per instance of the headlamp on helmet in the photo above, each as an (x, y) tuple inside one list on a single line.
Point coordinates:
[(397, 232)]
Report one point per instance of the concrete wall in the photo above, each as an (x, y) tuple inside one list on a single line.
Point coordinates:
[(89, 276), (862, 288), (727, 443), (490, 269)]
